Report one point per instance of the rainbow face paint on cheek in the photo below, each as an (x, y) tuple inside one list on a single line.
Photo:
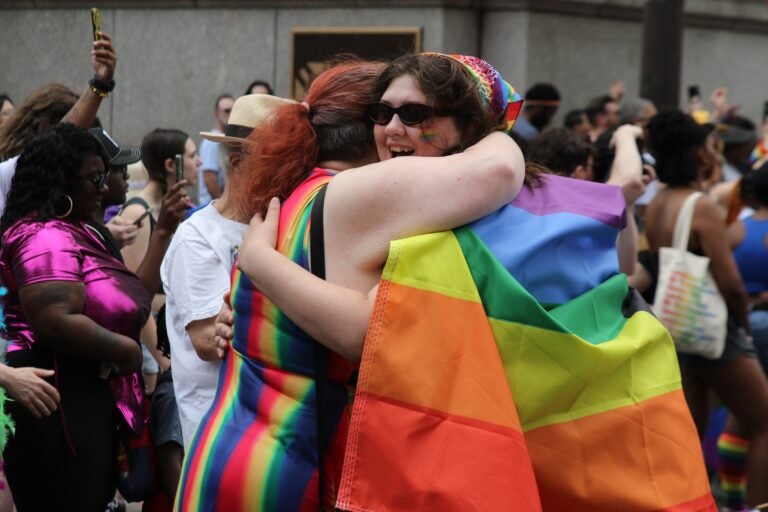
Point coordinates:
[(428, 135)]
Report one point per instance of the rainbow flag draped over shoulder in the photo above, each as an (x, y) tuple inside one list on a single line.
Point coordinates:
[(476, 394)]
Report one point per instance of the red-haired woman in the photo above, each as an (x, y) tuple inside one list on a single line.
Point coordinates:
[(257, 448)]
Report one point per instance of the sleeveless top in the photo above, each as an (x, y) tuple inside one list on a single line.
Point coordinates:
[(256, 448), (752, 256)]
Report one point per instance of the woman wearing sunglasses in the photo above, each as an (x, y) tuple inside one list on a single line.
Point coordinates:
[(257, 447), (557, 239), (73, 309)]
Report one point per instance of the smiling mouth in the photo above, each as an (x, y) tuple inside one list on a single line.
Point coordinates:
[(400, 151)]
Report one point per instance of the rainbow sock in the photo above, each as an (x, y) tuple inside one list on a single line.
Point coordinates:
[(732, 451)]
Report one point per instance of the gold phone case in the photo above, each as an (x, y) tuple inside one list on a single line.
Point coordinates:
[(95, 22)]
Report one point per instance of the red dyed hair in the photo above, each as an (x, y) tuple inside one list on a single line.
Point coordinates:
[(283, 151)]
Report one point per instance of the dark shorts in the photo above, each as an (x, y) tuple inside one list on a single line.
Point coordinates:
[(736, 344), (164, 415), (758, 325)]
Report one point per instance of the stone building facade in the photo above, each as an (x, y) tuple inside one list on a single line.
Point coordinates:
[(176, 56)]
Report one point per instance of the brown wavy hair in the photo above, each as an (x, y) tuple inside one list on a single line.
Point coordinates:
[(283, 151), (447, 84), (48, 103)]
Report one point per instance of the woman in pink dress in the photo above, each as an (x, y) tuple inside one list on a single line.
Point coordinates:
[(74, 309)]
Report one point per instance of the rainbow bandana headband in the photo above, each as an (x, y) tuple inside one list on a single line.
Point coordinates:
[(499, 95)]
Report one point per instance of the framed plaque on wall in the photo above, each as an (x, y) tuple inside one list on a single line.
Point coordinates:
[(313, 46)]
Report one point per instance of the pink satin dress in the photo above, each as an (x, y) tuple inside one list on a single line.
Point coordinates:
[(73, 450)]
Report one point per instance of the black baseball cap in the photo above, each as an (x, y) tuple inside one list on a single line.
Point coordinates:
[(117, 156)]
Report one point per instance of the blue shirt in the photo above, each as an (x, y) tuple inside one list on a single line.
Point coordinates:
[(209, 155), (524, 128)]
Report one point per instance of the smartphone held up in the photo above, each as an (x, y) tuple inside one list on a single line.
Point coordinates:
[(696, 105), (95, 23), (179, 168)]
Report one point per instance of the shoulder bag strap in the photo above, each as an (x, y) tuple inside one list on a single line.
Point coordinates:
[(317, 267), (683, 223), (141, 202)]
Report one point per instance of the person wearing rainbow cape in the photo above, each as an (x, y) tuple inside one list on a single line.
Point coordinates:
[(257, 447), (507, 344)]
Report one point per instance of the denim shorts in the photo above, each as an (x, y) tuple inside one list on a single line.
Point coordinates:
[(758, 325), (164, 414)]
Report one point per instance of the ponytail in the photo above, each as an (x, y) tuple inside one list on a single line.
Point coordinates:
[(281, 154)]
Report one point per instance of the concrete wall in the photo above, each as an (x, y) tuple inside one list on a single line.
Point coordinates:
[(173, 63), (738, 61), (582, 55), (174, 60)]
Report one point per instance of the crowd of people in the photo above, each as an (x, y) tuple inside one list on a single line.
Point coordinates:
[(408, 291)]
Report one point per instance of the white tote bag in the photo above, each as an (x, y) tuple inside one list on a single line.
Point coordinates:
[(687, 300)]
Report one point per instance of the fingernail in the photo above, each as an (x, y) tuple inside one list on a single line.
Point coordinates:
[(274, 201)]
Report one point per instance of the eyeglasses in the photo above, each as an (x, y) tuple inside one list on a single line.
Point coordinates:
[(410, 114), (98, 180)]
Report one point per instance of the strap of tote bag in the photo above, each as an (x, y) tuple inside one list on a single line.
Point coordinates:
[(683, 223)]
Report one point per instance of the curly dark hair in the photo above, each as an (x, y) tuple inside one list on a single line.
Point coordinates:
[(754, 187), (47, 170), (560, 150), (673, 138), (446, 84)]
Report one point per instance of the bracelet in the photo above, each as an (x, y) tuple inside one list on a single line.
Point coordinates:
[(100, 88), (101, 94)]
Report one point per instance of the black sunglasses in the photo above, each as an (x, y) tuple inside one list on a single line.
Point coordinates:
[(410, 114), (98, 180)]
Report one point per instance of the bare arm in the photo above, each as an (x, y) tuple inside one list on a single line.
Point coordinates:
[(175, 204), (366, 208), (627, 172), (149, 340), (28, 387), (371, 207), (104, 61), (641, 280), (202, 335), (736, 233), (627, 163), (223, 327), (124, 232), (710, 228), (334, 315), (627, 244), (134, 254), (54, 311)]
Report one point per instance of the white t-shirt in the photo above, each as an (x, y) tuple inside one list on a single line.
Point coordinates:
[(195, 274), (7, 170)]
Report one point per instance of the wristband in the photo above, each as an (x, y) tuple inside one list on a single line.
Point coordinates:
[(100, 88)]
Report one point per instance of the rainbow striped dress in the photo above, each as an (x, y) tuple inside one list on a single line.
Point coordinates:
[(256, 448), (508, 367)]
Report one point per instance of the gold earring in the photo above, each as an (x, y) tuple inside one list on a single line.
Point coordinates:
[(71, 205)]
